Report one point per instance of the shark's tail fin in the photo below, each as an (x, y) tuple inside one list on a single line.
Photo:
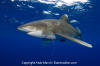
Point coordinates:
[(77, 40)]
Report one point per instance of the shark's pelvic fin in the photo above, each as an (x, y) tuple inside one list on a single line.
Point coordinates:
[(77, 40), (64, 18)]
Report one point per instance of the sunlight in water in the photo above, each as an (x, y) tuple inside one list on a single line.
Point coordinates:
[(63, 2), (72, 1), (57, 2)]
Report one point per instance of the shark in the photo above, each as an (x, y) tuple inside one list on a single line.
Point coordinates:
[(49, 28)]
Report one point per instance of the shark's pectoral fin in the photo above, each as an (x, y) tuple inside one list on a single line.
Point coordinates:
[(76, 40)]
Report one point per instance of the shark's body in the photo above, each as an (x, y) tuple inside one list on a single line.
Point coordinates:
[(49, 28)]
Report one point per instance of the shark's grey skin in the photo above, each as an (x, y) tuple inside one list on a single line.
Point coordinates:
[(49, 28)]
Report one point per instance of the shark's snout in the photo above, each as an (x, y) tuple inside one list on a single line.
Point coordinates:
[(31, 30), (25, 28), (19, 28)]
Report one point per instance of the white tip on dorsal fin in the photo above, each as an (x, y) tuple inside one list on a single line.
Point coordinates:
[(64, 18)]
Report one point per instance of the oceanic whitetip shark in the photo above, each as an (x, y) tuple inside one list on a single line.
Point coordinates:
[(49, 28)]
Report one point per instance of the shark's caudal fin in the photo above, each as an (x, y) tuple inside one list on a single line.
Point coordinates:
[(77, 40)]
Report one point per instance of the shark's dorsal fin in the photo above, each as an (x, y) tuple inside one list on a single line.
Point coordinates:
[(64, 18)]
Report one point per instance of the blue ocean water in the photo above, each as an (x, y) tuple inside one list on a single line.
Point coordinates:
[(16, 46)]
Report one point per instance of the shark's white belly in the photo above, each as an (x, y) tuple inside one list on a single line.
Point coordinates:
[(35, 33), (39, 33)]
